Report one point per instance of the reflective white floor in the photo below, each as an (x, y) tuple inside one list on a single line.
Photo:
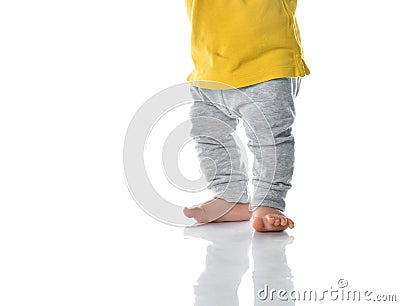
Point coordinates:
[(229, 264), (232, 249)]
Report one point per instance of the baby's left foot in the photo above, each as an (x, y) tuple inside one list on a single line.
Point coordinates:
[(218, 210), (268, 219)]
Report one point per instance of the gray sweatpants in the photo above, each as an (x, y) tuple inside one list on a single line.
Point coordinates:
[(267, 110)]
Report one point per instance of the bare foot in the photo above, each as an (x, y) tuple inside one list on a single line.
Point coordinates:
[(218, 210), (268, 219)]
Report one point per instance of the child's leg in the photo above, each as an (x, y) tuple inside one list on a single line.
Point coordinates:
[(267, 121), (219, 155)]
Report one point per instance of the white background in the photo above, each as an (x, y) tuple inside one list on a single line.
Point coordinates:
[(72, 74)]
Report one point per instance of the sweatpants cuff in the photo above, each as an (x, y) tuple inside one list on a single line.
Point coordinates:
[(275, 205), (271, 198), (269, 203), (235, 192)]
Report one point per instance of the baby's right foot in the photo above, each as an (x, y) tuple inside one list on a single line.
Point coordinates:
[(218, 210), (268, 219)]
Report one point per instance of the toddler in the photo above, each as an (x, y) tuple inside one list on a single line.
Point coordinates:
[(248, 64)]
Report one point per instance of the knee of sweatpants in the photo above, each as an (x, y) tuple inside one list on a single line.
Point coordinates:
[(210, 127), (258, 131), (197, 128), (282, 129), (206, 123)]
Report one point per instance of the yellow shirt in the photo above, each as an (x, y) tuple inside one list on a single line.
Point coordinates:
[(244, 42)]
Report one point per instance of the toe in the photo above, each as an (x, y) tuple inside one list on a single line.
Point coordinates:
[(197, 213), (258, 224), (188, 212), (270, 218), (290, 223), (277, 220)]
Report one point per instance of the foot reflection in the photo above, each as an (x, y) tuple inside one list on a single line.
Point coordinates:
[(271, 271), (227, 260)]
